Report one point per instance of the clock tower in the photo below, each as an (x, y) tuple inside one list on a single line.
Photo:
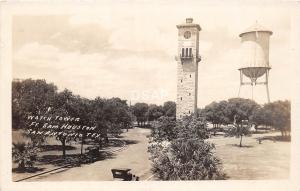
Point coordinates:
[(187, 68)]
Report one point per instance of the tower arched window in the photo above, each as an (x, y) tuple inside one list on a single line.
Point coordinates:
[(190, 53), (182, 52), (181, 98), (186, 52)]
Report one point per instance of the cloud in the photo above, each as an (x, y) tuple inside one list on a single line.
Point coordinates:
[(86, 39), (90, 75), (30, 28), (101, 53), (57, 31)]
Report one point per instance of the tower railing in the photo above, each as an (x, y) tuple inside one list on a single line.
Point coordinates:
[(186, 57)]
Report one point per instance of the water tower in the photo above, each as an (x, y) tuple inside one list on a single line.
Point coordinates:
[(255, 57)]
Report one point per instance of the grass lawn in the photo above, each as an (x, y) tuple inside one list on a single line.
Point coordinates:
[(254, 161)]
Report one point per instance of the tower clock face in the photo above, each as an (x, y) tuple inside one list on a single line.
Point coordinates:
[(187, 34)]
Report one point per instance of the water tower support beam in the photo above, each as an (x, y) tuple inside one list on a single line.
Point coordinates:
[(267, 85), (241, 82)]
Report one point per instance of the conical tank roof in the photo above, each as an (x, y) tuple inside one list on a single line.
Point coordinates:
[(256, 28)]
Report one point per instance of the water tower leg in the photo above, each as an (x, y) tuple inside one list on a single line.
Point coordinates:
[(268, 93), (267, 85), (241, 82), (239, 91)]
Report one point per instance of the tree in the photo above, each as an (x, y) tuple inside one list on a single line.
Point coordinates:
[(100, 119), (240, 130), (140, 112), (223, 112), (110, 116), (276, 114), (154, 112), (36, 98), (211, 113), (240, 109), (82, 108), (117, 113), (169, 109), (186, 155), (63, 107), (280, 115), (261, 116), (216, 113), (201, 112), (30, 97)]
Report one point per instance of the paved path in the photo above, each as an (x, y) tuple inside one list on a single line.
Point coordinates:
[(135, 156)]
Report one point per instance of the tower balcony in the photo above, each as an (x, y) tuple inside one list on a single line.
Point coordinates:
[(189, 57), (186, 57)]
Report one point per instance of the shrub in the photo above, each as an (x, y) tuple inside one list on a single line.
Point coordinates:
[(163, 129), (24, 154), (187, 155)]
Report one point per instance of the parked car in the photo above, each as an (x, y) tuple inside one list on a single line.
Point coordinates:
[(123, 174)]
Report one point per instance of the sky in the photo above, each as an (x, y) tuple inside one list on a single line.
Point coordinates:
[(128, 50)]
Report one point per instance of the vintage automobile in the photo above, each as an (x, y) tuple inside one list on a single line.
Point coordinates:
[(123, 174)]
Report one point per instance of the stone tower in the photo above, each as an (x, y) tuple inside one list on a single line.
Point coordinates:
[(187, 68)]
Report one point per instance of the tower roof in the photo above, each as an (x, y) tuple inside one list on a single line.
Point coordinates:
[(188, 23), (256, 28)]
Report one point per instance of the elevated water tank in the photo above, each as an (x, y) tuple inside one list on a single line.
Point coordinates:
[(255, 52)]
